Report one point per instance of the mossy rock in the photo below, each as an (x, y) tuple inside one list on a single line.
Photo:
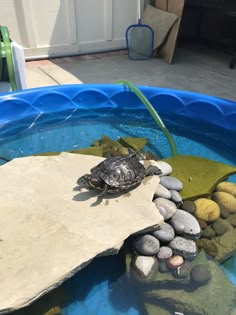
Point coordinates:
[(226, 245), (152, 309), (106, 147), (222, 295), (208, 246), (199, 175), (111, 147), (134, 143)]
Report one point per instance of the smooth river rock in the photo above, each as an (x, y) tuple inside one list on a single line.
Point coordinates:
[(232, 220), (49, 232), (200, 274), (188, 206), (166, 207), (165, 233), (162, 192), (225, 201), (183, 247), (165, 168), (165, 252), (206, 209), (183, 271), (185, 223), (227, 187), (145, 266), (175, 261), (171, 182), (147, 245), (175, 196)]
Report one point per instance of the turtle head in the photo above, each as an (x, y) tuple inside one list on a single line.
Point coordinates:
[(89, 181)]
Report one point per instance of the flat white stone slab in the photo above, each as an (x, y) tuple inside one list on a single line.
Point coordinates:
[(48, 231)]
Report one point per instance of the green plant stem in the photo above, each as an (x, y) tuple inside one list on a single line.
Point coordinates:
[(153, 113)]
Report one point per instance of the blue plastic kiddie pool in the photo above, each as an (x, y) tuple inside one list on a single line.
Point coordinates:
[(69, 117)]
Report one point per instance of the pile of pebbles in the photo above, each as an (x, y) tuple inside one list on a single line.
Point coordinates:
[(172, 246), (217, 218)]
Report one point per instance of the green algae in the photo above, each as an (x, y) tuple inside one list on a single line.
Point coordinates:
[(135, 143), (198, 175), (106, 147)]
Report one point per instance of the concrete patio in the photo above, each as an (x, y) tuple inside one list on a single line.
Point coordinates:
[(195, 68)]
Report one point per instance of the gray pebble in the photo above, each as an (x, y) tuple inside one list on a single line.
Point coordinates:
[(171, 182), (169, 207), (165, 168), (184, 247), (163, 212), (165, 233), (147, 245), (185, 223), (162, 192), (163, 266), (165, 252), (200, 274), (175, 196), (183, 271)]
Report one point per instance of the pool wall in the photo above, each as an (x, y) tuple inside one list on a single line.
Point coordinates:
[(23, 110)]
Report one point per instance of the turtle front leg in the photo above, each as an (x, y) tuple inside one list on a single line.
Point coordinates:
[(153, 170), (104, 190)]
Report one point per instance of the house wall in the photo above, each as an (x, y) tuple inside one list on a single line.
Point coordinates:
[(68, 27)]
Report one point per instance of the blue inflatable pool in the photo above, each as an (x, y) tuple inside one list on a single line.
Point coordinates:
[(68, 117), (89, 111)]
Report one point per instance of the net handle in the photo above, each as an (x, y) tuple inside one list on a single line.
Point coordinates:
[(139, 10)]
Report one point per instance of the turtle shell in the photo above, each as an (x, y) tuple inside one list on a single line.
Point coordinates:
[(120, 173)]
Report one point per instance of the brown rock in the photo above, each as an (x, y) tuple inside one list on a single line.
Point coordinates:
[(227, 187), (232, 220), (189, 206), (208, 233), (206, 209), (219, 227), (209, 247), (225, 201), (203, 224), (226, 245)]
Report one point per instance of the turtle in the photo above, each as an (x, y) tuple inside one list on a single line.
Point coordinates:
[(117, 174)]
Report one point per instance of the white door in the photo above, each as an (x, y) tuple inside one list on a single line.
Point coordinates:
[(66, 27)]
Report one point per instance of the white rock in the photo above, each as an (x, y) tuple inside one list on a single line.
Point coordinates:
[(145, 265), (48, 231), (163, 192)]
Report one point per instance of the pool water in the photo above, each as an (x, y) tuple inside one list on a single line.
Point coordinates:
[(191, 138), (102, 288)]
